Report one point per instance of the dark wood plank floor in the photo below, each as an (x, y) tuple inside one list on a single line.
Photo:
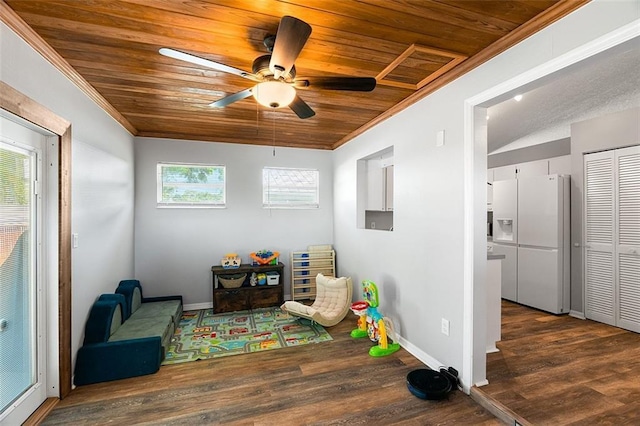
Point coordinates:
[(329, 383), (559, 370)]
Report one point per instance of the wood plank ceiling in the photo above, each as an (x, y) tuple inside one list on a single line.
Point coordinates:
[(410, 46)]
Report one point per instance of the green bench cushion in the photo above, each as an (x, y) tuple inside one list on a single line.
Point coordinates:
[(135, 328), (172, 308)]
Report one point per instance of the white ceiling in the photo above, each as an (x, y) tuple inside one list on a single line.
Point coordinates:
[(605, 83)]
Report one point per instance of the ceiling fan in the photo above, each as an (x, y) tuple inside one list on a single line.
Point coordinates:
[(275, 73)]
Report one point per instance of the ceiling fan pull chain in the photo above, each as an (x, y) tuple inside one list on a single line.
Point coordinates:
[(274, 133)]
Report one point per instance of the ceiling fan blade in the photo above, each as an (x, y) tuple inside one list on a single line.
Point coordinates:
[(355, 84), (301, 108), (183, 56), (290, 39), (221, 103)]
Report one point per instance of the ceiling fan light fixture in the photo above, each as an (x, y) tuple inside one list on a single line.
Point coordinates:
[(274, 94)]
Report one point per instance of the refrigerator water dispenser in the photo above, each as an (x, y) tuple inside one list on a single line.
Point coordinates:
[(504, 231)]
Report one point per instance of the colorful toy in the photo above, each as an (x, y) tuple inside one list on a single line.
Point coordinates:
[(371, 322), (231, 261), (265, 257)]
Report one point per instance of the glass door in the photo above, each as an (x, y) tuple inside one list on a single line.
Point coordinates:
[(21, 370)]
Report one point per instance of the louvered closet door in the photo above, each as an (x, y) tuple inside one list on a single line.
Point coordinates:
[(599, 231), (627, 163)]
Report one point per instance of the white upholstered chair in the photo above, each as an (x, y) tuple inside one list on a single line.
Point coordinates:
[(333, 301)]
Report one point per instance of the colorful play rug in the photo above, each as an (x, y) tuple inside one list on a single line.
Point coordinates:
[(204, 335)]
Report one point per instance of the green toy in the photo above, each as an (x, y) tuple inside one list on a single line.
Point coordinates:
[(371, 323)]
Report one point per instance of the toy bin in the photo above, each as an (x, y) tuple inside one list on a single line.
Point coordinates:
[(273, 278), (232, 281)]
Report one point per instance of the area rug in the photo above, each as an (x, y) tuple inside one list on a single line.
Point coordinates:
[(202, 334)]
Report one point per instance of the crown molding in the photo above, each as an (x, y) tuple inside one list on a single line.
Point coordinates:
[(20, 27)]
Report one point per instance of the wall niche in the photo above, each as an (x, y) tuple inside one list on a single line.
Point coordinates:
[(375, 191)]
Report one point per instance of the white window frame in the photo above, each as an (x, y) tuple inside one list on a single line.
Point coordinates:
[(266, 186), (171, 204)]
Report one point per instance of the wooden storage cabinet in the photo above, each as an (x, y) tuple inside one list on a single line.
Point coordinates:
[(247, 297), (305, 265)]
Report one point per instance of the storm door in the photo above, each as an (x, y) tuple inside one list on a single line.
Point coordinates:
[(22, 327)]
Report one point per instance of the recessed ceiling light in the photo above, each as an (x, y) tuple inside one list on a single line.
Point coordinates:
[(518, 98)]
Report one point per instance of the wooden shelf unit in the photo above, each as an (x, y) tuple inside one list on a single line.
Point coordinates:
[(247, 296), (305, 265)]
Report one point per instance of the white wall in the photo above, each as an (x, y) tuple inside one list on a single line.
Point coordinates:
[(175, 248), (419, 267), (101, 177)]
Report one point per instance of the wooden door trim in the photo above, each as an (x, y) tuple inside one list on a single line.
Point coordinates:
[(19, 104)]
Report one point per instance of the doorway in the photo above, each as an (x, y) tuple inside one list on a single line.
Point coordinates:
[(57, 238), (475, 153)]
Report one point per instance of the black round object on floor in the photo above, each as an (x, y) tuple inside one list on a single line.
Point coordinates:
[(428, 384)]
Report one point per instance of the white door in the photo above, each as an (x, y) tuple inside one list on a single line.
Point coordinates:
[(22, 324), (612, 237), (627, 162), (540, 279), (598, 237), (539, 221)]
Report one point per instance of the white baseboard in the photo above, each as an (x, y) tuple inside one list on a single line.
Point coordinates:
[(430, 361), (208, 305), (492, 349), (424, 357), (577, 314), (196, 306)]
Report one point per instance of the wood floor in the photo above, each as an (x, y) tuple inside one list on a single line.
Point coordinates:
[(329, 383), (559, 370), (551, 370)]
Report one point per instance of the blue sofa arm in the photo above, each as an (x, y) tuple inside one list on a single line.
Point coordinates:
[(98, 327), (103, 362)]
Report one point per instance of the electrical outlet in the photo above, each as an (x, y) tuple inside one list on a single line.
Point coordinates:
[(445, 327), (373, 225), (75, 240)]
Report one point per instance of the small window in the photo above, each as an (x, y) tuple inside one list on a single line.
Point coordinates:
[(290, 188), (191, 185)]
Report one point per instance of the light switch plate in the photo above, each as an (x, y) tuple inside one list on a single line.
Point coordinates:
[(440, 138)]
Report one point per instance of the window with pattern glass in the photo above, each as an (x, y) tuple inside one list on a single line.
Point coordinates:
[(290, 188)]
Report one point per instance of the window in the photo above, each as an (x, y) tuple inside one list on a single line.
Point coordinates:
[(191, 185), (290, 188)]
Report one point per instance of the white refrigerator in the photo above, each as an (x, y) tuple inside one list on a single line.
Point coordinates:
[(505, 234), (531, 227)]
